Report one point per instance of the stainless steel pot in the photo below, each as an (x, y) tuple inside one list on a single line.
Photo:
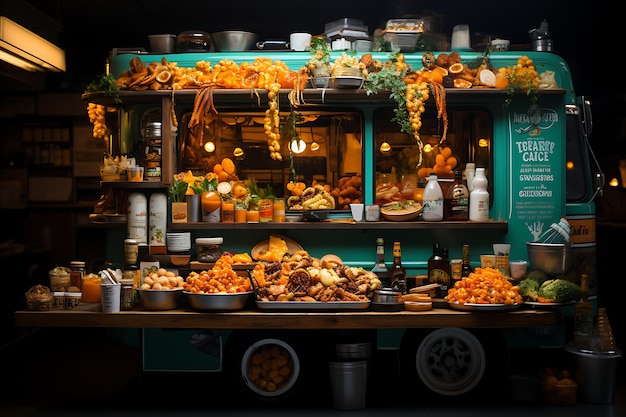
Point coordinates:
[(234, 40)]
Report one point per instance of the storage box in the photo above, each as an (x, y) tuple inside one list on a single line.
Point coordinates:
[(345, 24)]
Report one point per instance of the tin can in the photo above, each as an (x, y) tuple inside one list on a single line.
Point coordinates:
[(266, 210), (128, 295), (456, 269)]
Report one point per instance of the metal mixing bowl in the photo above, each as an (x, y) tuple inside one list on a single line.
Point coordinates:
[(218, 301), (551, 258), (159, 299), (234, 40)]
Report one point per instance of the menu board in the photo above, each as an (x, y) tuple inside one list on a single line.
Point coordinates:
[(537, 132)]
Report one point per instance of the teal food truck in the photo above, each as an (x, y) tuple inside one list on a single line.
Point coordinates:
[(540, 168)]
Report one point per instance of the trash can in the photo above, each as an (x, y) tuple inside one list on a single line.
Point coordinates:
[(595, 374), (348, 381)]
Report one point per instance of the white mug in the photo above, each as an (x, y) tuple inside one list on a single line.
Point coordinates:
[(460, 37), (300, 41)]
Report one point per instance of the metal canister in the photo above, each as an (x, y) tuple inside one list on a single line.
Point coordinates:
[(128, 295), (456, 269)]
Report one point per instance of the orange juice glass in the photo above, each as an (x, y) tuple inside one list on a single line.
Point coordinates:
[(228, 212), (240, 215), (279, 210), (252, 216), (91, 289)]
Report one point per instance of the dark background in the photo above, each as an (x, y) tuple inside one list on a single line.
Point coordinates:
[(585, 33)]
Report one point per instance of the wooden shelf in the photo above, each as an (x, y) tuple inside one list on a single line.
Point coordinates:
[(250, 319), (344, 225)]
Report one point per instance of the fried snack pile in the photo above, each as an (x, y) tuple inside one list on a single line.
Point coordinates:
[(301, 277), (484, 286), (219, 279)]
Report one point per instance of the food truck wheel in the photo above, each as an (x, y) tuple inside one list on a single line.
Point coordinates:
[(453, 361), (266, 367)]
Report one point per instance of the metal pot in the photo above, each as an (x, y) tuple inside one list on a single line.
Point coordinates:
[(387, 296), (233, 40)]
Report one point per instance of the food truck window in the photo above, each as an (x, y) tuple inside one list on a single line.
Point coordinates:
[(578, 179), (322, 147), (469, 139)]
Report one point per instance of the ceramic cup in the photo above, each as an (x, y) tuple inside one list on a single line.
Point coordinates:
[(357, 211), (460, 37), (300, 41)]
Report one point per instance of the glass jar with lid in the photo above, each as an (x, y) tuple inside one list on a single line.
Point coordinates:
[(209, 249)]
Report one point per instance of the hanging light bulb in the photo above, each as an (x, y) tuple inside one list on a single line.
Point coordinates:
[(385, 148), (315, 146), (238, 152), (297, 145), (209, 146)]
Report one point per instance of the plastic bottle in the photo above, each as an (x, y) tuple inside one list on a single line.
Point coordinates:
[(479, 198), (138, 217), (158, 219), (470, 172), (432, 208)]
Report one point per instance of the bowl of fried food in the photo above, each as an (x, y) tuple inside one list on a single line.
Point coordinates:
[(400, 211)]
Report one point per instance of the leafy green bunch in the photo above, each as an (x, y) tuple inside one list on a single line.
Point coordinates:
[(105, 83), (389, 79)]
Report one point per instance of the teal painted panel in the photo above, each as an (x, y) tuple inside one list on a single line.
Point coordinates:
[(537, 169), (182, 350)]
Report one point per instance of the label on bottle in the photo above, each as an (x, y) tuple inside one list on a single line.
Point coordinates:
[(158, 218), (138, 217), (441, 277), (432, 207)]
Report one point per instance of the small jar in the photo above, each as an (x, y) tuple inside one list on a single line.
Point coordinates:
[(76, 274), (209, 249)]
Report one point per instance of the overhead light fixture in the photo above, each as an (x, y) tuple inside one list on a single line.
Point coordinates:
[(297, 146), (239, 152), (315, 146), (22, 48), (209, 146), (385, 148)]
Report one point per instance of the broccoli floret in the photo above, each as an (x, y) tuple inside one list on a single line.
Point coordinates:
[(529, 288), (560, 291), (538, 276)]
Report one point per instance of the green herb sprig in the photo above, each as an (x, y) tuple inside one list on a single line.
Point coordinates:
[(105, 83)]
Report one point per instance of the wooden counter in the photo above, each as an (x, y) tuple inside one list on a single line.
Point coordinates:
[(251, 319)]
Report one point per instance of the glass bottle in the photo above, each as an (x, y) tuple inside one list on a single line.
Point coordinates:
[(439, 271), (380, 268), (479, 198), (432, 207), (466, 267), (397, 272), (456, 201), (583, 317)]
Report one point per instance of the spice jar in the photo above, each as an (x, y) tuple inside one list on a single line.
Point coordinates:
[(209, 249)]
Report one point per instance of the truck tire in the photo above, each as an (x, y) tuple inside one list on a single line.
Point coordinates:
[(453, 362)]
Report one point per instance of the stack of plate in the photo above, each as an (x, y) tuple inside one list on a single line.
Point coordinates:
[(179, 242)]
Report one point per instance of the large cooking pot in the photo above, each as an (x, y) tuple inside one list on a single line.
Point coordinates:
[(233, 40)]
